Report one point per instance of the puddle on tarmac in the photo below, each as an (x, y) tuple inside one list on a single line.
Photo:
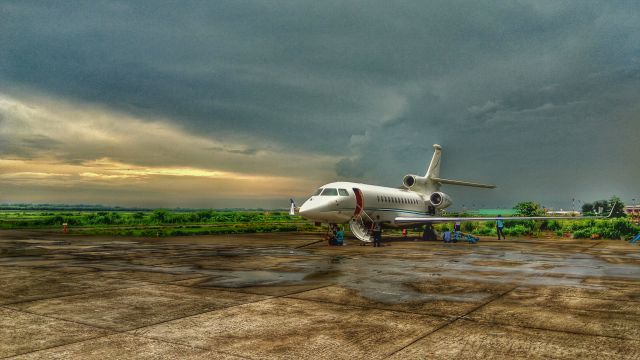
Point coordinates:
[(382, 277)]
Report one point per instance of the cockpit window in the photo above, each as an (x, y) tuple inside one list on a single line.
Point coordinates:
[(329, 192), (317, 192), (343, 192)]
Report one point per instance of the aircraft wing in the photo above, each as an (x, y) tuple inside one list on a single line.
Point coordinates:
[(435, 219)]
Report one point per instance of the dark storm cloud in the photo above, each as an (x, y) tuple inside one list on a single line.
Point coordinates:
[(514, 91)]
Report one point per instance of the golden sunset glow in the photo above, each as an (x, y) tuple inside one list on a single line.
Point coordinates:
[(59, 146)]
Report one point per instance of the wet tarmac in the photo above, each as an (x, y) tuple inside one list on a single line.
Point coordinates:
[(285, 295)]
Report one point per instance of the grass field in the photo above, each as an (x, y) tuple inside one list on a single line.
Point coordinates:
[(157, 222), (161, 222)]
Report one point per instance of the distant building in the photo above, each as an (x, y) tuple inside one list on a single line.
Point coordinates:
[(563, 212), (633, 211)]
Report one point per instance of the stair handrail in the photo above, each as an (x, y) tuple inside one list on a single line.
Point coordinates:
[(364, 212), (362, 224)]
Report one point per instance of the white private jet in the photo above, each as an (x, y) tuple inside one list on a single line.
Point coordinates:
[(417, 203)]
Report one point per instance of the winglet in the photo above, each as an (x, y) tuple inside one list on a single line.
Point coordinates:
[(613, 207)]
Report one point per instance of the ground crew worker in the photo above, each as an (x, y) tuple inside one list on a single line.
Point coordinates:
[(376, 231), (340, 237), (331, 234), (499, 226), (446, 236)]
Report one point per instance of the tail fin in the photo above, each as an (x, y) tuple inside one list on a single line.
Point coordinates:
[(433, 174), (434, 167)]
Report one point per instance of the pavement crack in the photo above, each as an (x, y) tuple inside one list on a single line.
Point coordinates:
[(548, 329), (451, 321), (61, 319)]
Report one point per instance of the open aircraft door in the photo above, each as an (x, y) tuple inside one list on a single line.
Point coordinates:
[(359, 202)]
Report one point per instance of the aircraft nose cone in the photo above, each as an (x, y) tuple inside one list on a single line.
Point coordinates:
[(308, 210)]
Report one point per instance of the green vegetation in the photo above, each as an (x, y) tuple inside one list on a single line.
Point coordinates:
[(581, 229), (615, 228), (529, 208), (159, 222), (163, 222)]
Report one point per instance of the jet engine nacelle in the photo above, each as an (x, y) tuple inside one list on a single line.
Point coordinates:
[(414, 181), (440, 200)]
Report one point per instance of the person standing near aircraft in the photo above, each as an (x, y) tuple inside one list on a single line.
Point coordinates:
[(340, 236), (446, 236), (499, 226), (376, 231)]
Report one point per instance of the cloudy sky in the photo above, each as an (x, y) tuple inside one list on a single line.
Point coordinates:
[(247, 103)]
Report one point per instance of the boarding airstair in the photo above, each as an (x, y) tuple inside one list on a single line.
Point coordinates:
[(361, 222), (360, 227)]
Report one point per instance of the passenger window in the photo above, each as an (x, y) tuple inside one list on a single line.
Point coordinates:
[(343, 192), (330, 192)]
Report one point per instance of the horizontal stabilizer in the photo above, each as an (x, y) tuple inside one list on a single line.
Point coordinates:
[(462, 183)]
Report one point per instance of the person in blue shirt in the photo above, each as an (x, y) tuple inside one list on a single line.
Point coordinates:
[(499, 226), (446, 236), (340, 237)]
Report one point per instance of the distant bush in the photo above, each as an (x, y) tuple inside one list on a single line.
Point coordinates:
[(553, 225), (529, 208), (485, 231), (467, 226), (517, 230), (605, 228)]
